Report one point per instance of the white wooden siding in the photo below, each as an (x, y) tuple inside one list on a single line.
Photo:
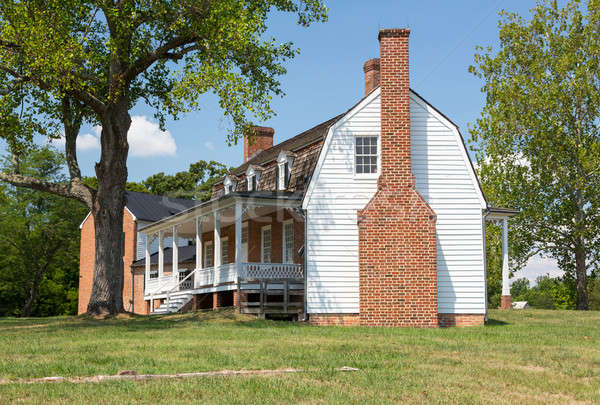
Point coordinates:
[(332, 232), (443, 178), (446, 182)]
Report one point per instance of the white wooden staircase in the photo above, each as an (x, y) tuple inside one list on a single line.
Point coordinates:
[(173, 304)]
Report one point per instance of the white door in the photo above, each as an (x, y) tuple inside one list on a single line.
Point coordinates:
[(245, 252)]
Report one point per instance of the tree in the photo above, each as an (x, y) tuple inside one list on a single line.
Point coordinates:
[(61, 60), (197, 183), (537, 140), (39, 238)]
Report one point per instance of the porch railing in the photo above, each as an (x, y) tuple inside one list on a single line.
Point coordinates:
[(271, 270), (226, 273)]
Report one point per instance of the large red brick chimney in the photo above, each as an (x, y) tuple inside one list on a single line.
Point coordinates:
[(257, 140), (397, 234)]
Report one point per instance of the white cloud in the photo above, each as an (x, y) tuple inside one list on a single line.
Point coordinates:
[(85, 142), (539, 266), (146, 139), (209, 145), (88, 142)]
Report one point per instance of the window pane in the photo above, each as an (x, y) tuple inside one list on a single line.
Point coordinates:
[(366, 154)]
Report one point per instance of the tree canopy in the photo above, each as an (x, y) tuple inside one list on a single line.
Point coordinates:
[(537, 141), (39, 240), (64, 62)]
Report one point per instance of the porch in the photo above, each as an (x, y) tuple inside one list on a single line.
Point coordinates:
[(245, 244)]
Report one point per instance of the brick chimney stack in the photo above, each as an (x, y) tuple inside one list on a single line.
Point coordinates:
[(398, 272), (395, 106), (257, 140), (371, 69)]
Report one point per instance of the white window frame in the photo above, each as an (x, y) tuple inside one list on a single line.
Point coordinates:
[(281, 176), (377, 155), (228, 185), (250, 175), (225, 249), (282, 159), (262, 244), (208, 247), (284, 251)]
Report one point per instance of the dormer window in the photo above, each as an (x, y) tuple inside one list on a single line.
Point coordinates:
[(283, 170), (228, 185), (252, 183), (252, 176)]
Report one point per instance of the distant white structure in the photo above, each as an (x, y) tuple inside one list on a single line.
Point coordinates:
[(520, 305)]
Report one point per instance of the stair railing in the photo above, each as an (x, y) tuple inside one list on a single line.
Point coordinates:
[(176, 288)]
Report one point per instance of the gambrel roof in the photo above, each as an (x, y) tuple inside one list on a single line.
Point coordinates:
[(307, 147)]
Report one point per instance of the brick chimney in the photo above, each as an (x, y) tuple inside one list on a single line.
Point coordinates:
[(256, 140), (371, 69), (397, 231)]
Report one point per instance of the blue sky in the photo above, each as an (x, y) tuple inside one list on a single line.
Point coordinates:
[(327, 78)]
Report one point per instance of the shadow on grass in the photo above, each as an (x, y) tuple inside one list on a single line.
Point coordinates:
[(138, 322), (496, 322)]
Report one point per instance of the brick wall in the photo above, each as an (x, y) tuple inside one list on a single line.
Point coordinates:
[(460, 320), (334, 319), (397, 243), (275, 220), (87, 258), (139, 305)]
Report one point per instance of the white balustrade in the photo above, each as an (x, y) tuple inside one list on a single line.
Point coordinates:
[(271, 270), (226, 273)]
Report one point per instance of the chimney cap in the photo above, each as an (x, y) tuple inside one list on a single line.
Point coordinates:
[(393, 32), (263, 131), (371, 64)]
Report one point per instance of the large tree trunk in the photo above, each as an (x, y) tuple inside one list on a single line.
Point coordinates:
[(581, 278), (107, 290)]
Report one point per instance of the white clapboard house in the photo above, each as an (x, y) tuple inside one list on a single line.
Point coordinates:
[(373, 217)]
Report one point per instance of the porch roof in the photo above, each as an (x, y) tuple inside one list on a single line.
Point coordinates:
[(500, 212), (283, 199), (187, 254)]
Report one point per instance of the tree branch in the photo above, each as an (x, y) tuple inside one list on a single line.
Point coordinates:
[(162, 52), (73, 189)]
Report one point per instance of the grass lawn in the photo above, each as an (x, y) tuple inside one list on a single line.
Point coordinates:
[(529, 357)]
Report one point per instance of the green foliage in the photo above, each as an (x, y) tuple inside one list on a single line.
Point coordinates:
[(537, 141), (548, 293), (39, 237), (196, 183), (164, 53), (493, 246)]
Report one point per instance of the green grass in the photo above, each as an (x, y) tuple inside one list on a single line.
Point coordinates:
[(530, 356)]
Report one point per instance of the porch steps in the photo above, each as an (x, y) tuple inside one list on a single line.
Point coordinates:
[(174, 305)]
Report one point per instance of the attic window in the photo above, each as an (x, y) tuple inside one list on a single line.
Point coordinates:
[(283, 171), (365, 155), (252, 179), (228, 185)]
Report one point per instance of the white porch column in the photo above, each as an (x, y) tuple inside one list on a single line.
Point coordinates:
[(175, 255), (238, 238), (199, 242), (161, 253), (217, 239), (147, 257), (506, 298)]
